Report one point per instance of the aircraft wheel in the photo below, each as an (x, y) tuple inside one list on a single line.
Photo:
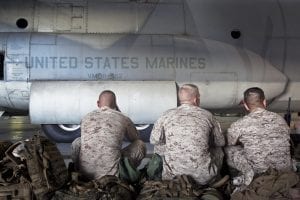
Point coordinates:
[(145, 131), (61, 133)]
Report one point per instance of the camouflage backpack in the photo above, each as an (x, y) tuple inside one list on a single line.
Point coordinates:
[(181, 187), (106, 188), (39, 164)]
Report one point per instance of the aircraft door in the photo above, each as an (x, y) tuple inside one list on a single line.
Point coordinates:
[(2, 66), (16, 70), (17, 57), (3, 93)]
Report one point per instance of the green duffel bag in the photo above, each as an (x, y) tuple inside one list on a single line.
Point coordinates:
[(127, 172), (155, 168)]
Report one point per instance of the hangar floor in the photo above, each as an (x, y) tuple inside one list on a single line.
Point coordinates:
[(17, 128)]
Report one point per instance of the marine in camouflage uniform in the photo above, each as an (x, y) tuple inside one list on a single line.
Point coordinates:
[(258, 141), (99, 149), (189, 139)]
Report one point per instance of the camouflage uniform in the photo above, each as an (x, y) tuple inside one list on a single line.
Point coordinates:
[(265, 138), (190, 140), (102, 134)]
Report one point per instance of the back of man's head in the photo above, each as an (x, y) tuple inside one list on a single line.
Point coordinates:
[(189, 94), (254, 98), (107, 98)]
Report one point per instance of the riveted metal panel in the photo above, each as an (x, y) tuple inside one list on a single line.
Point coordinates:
[(45, 15), (63, 17), (112, 17), (11, 11), (165, 19)]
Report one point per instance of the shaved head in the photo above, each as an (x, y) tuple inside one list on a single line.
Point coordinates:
[(107, 98), (189, 94), (254, 97)]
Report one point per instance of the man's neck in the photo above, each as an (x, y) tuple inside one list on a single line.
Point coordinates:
[(257, 108), (187, 103)]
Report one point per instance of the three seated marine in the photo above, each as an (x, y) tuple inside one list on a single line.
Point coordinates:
[(188, 138)]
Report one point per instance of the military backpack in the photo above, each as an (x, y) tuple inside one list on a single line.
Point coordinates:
[(34, 167)]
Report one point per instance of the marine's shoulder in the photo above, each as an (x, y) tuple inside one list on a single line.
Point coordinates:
[(275, 116), (170, 112), (196, 111), (270, 113), (103, 111), (241, 122), (119, 115), (91, 114), (204, 111)]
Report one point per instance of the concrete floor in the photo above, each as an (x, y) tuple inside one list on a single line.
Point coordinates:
[(17, 128)]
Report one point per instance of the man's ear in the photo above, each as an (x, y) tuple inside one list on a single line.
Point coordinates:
[(195, 101), (265, 103), (246, 107), (98, 103), (198, 101)]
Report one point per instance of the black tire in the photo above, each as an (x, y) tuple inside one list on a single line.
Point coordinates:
[(59, 135), (145, 133)]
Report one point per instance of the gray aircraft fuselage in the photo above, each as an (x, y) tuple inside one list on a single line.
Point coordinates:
[(56, 55)]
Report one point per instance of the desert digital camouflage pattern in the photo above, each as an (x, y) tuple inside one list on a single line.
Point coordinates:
[(265, 137), (102, 133), (187, 136)]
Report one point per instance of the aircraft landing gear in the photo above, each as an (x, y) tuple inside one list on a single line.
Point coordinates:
[(65, 133), (61, 133), (145, 131)]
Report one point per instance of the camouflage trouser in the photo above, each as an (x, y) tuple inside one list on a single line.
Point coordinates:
[(211, 175), (217, 156), (135, 152), (235, 158)]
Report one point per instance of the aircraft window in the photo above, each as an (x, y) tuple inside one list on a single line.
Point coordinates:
[(1, 65), (22, 23), (236, 34)]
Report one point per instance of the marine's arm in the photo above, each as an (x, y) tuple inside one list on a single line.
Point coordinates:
[(233, 134), (219, 139), (157, 134), (131, 132)]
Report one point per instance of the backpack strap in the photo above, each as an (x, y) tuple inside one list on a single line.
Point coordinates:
[(10, 155)]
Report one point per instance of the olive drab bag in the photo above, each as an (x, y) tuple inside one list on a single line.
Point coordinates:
[(181, 187), (108, 187), (39, 164)]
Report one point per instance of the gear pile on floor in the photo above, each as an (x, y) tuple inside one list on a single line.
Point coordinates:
[(35, 169)]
